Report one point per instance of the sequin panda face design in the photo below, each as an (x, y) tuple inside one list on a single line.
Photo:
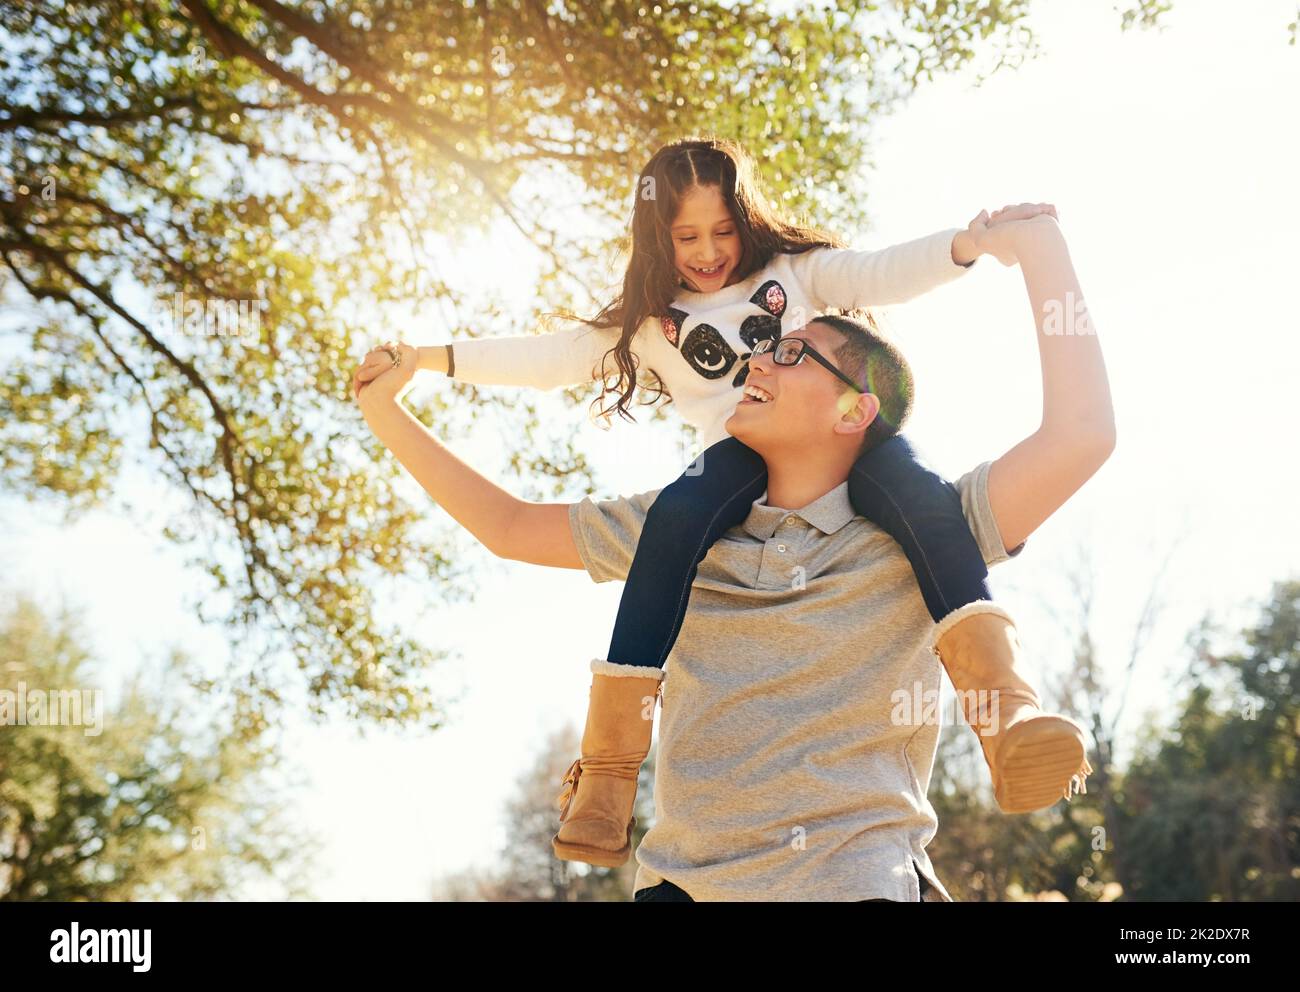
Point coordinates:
[(705, 349)]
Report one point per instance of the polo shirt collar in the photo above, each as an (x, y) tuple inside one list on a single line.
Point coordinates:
[(828, 513)]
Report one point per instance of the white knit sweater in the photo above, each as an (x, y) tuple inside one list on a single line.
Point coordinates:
[(701, 348)]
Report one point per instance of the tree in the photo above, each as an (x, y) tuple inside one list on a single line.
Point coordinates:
[(155, 798), (172, 170), (1213, 808), (1207, 809), (1147, 14)]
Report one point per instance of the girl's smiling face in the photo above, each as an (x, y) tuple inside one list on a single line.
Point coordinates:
[(705, 241)]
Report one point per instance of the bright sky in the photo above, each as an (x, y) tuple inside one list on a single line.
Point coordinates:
[(1171, 165)]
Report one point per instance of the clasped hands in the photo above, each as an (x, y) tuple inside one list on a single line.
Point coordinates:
[(996, 234), (380, 377)]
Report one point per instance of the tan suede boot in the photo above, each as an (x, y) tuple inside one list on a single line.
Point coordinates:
[(599, 792), (1035, 758)]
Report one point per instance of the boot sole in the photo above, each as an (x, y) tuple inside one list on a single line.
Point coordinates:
[(602, 857), (1041, 756), (591, 855)]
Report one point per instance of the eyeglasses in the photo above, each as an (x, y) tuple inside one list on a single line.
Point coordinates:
[(791, 351)]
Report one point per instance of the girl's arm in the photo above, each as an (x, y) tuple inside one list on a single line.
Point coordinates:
[(544, 361), (848, 277)]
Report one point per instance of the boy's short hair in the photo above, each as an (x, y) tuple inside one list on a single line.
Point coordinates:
[(874, 362)]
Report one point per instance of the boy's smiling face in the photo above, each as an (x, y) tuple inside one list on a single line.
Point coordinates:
[(815, 405), (705, 240)]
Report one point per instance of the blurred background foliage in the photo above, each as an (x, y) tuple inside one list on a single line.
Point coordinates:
[(148, 796)]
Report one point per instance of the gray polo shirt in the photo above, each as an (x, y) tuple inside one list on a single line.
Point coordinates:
[(799, 719)]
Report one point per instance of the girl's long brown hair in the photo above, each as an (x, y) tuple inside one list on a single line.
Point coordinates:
[(652, 281)]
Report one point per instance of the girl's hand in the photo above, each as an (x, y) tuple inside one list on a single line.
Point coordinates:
[(378, 378), (1001, 231)]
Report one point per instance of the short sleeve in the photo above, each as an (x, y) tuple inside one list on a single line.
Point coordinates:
[(974, 490), (606, 533)]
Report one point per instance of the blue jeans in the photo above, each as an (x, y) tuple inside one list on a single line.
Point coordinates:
[(888, 484), (666, 891)]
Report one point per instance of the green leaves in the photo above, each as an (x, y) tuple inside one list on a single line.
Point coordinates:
[(164, 794)]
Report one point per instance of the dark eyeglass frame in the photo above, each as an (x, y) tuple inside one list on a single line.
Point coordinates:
[(766, 345)]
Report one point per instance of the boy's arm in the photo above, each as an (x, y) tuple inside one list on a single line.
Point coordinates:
[(1077, 433), (566, 357), (538, 533)]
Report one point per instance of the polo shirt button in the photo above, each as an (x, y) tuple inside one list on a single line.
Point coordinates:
[(781, 548)]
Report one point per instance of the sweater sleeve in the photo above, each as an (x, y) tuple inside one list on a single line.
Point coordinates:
[(847, 277), (566, 357)]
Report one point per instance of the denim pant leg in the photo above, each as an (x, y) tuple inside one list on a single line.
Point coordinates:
[(665, 891), (894, 489), (683, 522)]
